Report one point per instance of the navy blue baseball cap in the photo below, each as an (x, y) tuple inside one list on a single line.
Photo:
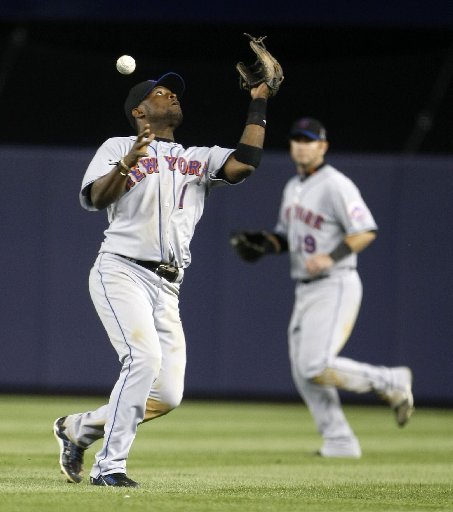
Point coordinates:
[(308, 127), (138, 93)]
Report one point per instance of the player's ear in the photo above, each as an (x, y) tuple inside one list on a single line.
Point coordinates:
[(138, 113)]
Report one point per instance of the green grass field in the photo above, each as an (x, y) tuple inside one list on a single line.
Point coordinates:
[(219, 456)]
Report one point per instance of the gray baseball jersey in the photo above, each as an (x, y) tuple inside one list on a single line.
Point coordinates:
[(155, 218), (315, 215)]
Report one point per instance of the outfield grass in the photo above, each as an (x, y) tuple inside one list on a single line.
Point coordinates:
[(222, 456)]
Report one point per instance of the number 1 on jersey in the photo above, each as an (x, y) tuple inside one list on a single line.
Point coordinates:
[(181, 198)]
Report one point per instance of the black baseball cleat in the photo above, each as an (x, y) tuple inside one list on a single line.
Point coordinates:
[(71, 455), (113, 480)]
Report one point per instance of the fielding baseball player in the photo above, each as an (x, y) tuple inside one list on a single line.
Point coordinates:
[(154, 191), (323, 223)]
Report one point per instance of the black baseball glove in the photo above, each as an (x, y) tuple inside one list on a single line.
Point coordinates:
[(250, 246), (265, 69)]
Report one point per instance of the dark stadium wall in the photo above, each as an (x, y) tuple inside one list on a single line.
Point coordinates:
[(235, 314)]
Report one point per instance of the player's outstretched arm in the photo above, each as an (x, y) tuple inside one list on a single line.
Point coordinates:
[(263, 79), (247, 156)]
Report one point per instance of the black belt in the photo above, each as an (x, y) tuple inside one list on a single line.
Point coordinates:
[(311, 279), (165, 270), (323, 276)]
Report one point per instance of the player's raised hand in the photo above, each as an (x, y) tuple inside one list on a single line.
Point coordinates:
[(140, 147), (261, 91)]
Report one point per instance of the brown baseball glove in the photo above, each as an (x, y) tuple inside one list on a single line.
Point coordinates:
[(265, 69)]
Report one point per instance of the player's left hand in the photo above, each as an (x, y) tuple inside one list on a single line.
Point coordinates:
[(262, 91), (318, 263)]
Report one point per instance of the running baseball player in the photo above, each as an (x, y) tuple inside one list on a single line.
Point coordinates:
[(154, 191), (323, 223)]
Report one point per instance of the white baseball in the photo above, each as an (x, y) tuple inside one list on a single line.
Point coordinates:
[(125, 64)]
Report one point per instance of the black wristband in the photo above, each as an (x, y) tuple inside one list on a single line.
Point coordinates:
[(250, 155), (257, 112), (341, 251)]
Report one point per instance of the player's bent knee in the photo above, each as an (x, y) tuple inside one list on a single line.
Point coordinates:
[(328, 377), (156, 408)]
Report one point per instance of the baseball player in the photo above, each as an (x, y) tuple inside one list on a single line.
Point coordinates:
[(154, 191), (323, 223)]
